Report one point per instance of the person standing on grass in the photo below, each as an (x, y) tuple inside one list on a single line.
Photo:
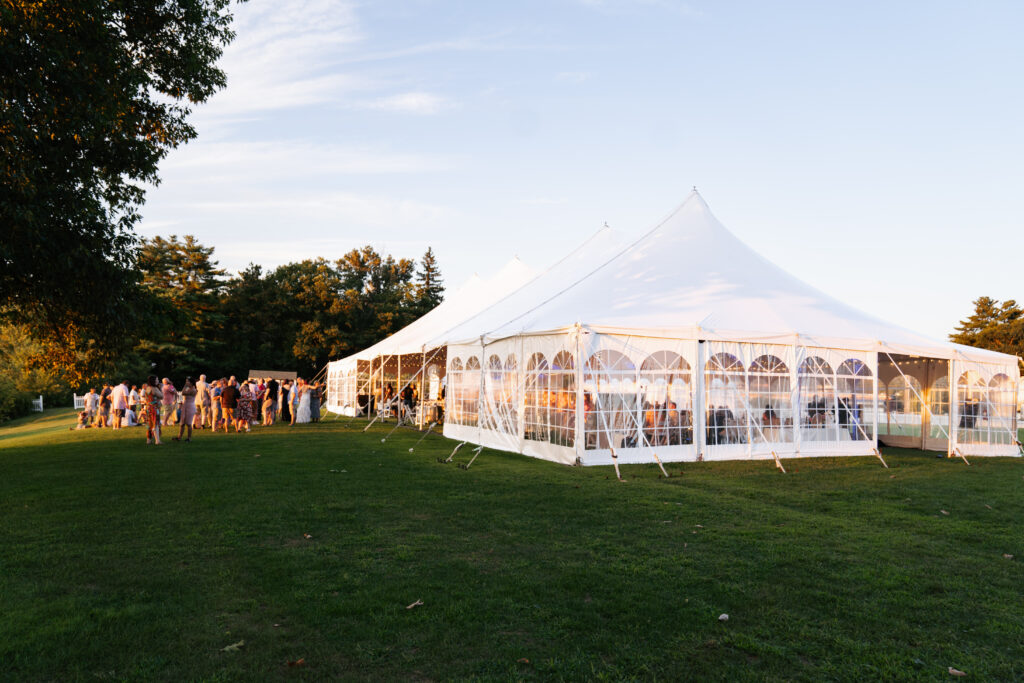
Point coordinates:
[(151, 398), (314, 402), (216, 406), (170, 398), (228, 403), (270, 403), (104, 410), (134, 400), (286, 413), (202, 401), (119, 403), (246, 407), (92, 403), (188, 409)]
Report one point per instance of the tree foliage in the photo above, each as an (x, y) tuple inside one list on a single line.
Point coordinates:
[(993, 325), (429, 284), (94, 93), (295, 317)]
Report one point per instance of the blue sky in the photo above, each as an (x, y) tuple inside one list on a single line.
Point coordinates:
[(872, 149)]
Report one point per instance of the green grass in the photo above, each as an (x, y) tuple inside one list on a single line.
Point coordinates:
[(120, 561)]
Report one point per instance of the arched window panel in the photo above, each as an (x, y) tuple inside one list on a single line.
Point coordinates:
[(771, 399), (855, 399), (725, 393), (561, 400), (938, 405), (504, 400), (1002, 405), (666, 400), (469, 393), (535, 404), (609, 400), (972, 411), (453, 390), (817, 391)]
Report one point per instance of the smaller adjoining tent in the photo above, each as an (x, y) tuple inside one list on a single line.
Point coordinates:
[(409, 356), (688, 345)]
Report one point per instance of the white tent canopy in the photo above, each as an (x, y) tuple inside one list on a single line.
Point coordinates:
[(690, 275), (689, 343)]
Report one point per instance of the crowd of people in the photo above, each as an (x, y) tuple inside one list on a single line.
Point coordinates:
[(223, 403)]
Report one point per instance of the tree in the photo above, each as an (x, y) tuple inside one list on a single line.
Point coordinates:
[(993, 326), (186, 278), (429, 285), (94, 94)]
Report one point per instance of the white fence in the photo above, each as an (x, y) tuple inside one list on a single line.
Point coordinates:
[(79, 402), (37, 404)]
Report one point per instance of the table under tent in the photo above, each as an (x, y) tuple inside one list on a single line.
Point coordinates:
[(358, 384), (688, 345)]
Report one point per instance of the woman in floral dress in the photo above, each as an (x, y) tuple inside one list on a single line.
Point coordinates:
[(151, 396), (246, 411)]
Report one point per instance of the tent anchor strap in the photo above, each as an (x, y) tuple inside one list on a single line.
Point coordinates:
[(476, 454), (615, 463), (449, 458), (959, 454), (878, 454), (423, 437), (658, 460), (778, 462)]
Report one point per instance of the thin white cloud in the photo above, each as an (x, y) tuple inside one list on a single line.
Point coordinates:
[(423, 103), (290, 159), (284, 56)]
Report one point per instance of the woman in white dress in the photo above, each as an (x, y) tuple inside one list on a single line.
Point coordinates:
[(302, 413)]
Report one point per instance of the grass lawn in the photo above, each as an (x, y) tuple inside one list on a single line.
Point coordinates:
[(126, 561)]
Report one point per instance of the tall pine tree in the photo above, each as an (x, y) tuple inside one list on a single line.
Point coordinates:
[(429, 285)]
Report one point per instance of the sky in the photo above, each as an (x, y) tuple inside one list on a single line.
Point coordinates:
[(873, 149)]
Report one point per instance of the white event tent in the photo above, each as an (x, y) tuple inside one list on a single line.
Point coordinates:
[(688, 345)]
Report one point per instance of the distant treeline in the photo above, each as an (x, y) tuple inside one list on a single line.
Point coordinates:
[(295, 317)]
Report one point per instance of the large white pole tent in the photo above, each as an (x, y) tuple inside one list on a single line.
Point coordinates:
[(688, 345)]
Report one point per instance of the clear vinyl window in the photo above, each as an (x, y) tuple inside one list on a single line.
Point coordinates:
[(725, 385), (855, 396), (770, 397), (666, 400)]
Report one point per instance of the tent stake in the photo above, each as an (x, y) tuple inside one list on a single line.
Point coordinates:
[(476, 454), (962, 456), (449, 458), (658, 460), (778, 463), (615, 462), (397, 425), (371, 422), (879, 454), (431, 426)]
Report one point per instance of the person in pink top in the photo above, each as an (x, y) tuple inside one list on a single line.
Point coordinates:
[(170, 397)]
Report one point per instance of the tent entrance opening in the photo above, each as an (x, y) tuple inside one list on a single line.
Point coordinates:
[(913, 402)]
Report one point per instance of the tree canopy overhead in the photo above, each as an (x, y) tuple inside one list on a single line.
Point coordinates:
[(94, 94)]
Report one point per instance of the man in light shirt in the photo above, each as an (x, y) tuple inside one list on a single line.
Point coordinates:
[(119, 402), (92, 402), (202, 401)]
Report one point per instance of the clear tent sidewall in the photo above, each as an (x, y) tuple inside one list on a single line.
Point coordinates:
[(579, 396)]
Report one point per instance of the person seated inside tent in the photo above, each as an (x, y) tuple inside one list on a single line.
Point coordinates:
[(770, 417)]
